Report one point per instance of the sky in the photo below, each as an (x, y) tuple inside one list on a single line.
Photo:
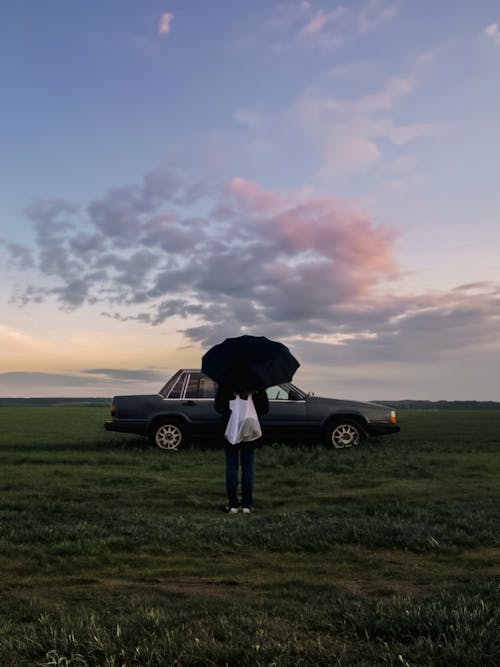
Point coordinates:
[(325, 174)]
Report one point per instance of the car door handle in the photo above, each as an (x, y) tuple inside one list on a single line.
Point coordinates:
[(189, 403)]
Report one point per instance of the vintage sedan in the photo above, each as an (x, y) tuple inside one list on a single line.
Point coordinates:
[(184, 410)]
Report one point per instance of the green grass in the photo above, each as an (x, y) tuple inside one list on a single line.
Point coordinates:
[(113, 553)]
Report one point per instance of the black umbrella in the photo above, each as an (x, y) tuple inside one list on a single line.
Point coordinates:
[(250, 362)]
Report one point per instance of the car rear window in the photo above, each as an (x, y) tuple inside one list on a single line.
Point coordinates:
[(176, 391)]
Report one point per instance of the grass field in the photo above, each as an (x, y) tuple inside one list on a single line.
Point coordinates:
[(114, 554)]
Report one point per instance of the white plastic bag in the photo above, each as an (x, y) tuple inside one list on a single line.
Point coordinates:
[(243, 424)]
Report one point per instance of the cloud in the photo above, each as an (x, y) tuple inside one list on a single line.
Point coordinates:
[(92, 382), (125, 375), (18, 256), (251, 119), (492, 32), (330, 134), (302, 25), (19, 343), (253, 256), (430, 329), (351, 132), (375, 13), (165, 23), (294, 265), (317, 23)]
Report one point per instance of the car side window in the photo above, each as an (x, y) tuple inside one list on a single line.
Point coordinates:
[(284, 392), (192, 387), (277, 393), (200, 386), (208, 388)]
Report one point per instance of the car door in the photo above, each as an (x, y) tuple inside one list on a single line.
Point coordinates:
[(287, 413), (197, 403)]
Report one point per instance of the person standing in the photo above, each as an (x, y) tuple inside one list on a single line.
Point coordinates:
[(242, 455)]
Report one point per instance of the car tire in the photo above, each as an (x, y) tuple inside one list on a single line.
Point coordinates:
[(344, 433), (169, 435)]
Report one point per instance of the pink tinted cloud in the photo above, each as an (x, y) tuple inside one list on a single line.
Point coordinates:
[(341, 234), (303, 23), (316, 24), (252, 196), (283, 262), (322, 230), (165, 21), (301, 261), (492, 32)]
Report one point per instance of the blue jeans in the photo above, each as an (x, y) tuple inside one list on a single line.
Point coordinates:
[(236, 454)]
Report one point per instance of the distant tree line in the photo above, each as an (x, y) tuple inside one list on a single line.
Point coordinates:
[(442, 405), (54, 402), (409, 404)]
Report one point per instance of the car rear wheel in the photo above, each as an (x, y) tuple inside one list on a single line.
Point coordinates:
[(170, 436), (345, 433)]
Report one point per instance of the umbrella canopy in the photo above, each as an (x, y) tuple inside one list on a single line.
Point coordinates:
[(250, 362)]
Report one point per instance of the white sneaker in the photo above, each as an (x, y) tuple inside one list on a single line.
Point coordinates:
[(232, 510), (246, 510)]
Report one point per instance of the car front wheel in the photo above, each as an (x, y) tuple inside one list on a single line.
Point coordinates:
[(169, 436), (342, 434)]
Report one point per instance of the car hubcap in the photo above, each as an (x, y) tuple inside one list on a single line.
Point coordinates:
[(168, 437), (345, 435)]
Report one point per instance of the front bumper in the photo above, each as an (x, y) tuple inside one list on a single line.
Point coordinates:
[(382, 429)]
